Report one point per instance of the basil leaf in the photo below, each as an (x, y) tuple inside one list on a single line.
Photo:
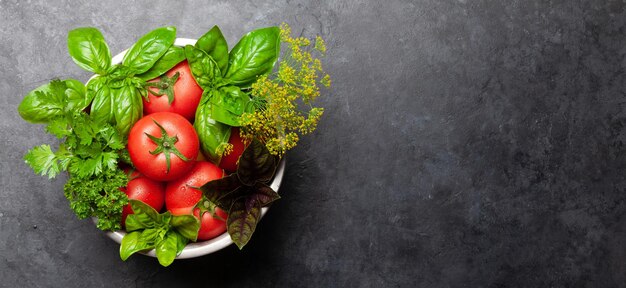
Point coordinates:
[(136, 222), (143, 54), (212, 134), (214, 44), (228, 103), (256, 164), (187, 226), (89, 50), (164, 218), (181, 243), (128, 107), (264, 194), (140, 208), (255, 54), (203, 68), (260, 192), (161, 231), (223, 192), (102, 105), (167, 249), (151, 236), (243, 217), (171, 58), (132, 243), (52, 100)]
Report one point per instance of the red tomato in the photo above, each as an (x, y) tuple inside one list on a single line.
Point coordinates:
[(187, 94), (150, 154), (211, 227), (145, 190), (229, 162), (181, 198)]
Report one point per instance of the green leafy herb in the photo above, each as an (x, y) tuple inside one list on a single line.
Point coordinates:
[(244, 193), (254, 55), (171, 58), (89, 152), (214, 44), (98, 196), (222, 104), (213, 135), (229, 103), (128, 107), (52, 100), (167, 234), (89, 50), (203, 68), (145, 52), (116, 91)]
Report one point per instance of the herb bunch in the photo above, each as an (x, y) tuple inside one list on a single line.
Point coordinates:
[(284, 99), (89, 152)]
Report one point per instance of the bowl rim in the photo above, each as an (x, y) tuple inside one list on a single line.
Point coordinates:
[(201, 248)]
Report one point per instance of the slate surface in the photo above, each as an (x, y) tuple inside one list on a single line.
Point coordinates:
[(465, 144)]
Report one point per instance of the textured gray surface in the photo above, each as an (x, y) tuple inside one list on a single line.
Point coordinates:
[(466, 144)]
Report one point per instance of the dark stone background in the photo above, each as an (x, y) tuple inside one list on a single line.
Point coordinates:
[(465, 143)]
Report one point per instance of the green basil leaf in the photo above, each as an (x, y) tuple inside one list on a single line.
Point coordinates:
[(182, 242), (256, 164), (138, 221), (212, 134), (151, 236), (228, 103), (171, 58), (203, 68), (102, 106), (187, 225), (255, 54), (243, 217), (118, 76), (143, 54), (132, 243), (89, 50), (214, 44), (128, 107), (223, 192), (167, 249), (52, 100), (164, 218), (140, 208)]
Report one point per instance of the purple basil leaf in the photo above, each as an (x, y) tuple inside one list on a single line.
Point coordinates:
[(256, 164), (223, 191), (242, 219), (263, 194)]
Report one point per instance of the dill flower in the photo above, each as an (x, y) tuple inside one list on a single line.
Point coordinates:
[(284, 99)]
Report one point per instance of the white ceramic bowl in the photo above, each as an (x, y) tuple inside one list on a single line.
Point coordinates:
[(203, 247)]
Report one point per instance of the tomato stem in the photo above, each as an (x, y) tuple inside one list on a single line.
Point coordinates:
[(165, 86), (206, 206), (165, 145)]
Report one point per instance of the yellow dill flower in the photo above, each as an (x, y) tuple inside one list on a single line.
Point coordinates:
[(320, 45), (286, 97), (326, 80)]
